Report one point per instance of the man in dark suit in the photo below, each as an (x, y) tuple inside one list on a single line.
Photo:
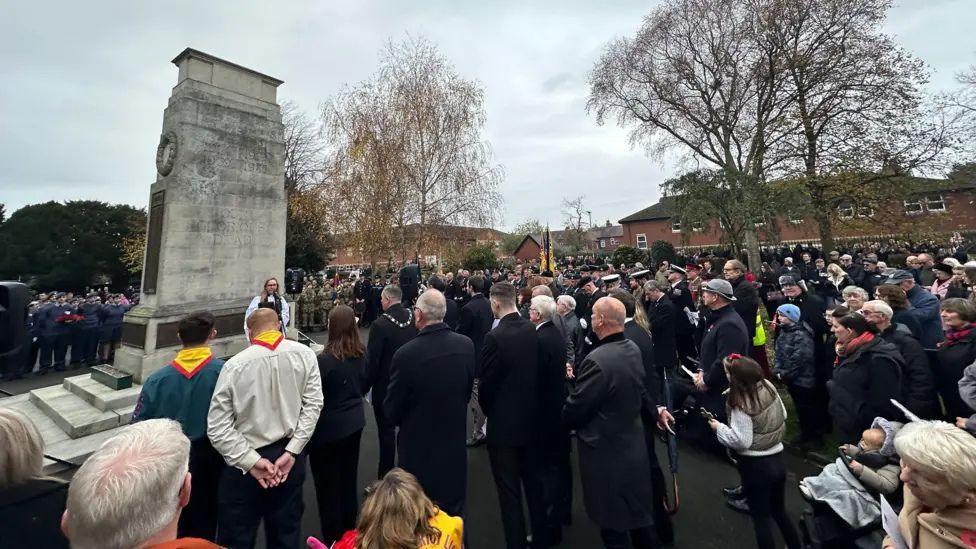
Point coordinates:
[(660, 314), (558, 474), (453, 314), (684, 330), (430, 381), (566, 308), (475, 321), (510, 398), (390, 332), (652, 382), (605, 408)]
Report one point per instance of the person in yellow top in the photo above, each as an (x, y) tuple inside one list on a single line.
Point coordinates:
[(398, 515)]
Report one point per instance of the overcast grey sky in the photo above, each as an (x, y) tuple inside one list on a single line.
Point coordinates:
[(84, 84)]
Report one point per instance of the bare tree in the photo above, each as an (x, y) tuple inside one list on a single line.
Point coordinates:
[(857, 98), (446, 165), (575, 221), (304, 148), (406, 148), (698, 77)]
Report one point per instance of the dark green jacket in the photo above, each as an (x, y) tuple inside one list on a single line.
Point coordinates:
[(168, 394)]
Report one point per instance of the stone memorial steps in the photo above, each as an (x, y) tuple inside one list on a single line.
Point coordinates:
[(57, 443), (100, 396), (82, 406)]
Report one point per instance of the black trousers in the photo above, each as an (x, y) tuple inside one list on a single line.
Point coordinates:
[(763, 482), (641, 538), (514, 467), (559, 485), (54, 349), (685, 345), (199, 518), (243, 504), (386, 432), (335, 466), (809, 411)]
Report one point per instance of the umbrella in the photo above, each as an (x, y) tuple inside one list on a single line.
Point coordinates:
[(672, 441)]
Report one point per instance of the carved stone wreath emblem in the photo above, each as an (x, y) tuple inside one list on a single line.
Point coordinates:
[(166, 153)]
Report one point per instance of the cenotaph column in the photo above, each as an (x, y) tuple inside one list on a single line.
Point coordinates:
[(216, 211)]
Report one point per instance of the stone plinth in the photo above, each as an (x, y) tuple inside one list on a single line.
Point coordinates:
[(216, 211)]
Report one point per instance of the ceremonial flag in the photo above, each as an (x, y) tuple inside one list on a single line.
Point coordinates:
[(547, 260)]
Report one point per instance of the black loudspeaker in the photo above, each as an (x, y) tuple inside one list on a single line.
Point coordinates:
[(15, 298), (294, 281)]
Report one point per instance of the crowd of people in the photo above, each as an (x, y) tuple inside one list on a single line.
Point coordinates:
[(526, 361), (69, 331)]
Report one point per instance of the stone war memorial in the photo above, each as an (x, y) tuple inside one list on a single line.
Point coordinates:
[(216, 232)]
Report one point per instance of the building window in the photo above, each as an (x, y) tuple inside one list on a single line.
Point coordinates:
[(935, 203), (603, 243), (795, 219), (613, 241), (675, 226), (698, 226), (641, 241), (913, 206), (846, 211)]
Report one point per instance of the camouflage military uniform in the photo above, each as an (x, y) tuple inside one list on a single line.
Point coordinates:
[(327, 304), (346, 295), (306, 306)]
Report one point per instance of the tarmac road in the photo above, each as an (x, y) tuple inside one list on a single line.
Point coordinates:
[(703, 520)]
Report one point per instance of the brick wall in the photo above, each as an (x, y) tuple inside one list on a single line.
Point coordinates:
[(960, 215)]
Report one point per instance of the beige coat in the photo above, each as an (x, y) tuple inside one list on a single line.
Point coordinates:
[(923, 529)]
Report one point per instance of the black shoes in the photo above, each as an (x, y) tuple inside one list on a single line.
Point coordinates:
[(734, 493), (739, 505)]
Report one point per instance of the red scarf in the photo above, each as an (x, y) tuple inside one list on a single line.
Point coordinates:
[(955, 336), (853, 345)]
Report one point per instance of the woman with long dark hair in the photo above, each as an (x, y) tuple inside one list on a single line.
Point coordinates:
[(757, 421), (270, 298), (333, 452)]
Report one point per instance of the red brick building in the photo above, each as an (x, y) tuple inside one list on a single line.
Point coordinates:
[(445, 243), (938, 207), (596, 240)]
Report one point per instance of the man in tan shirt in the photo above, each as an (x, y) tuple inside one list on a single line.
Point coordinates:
[(264, 409)]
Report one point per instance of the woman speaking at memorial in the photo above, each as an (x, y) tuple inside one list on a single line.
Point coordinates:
[(271, 299)]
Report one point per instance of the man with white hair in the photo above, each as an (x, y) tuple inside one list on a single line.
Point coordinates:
[(918, 385), (263, 412), (131, 491), (430, 381), (557, 476), (566, 309)]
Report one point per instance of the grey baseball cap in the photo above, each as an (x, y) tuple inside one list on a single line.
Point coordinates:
[(719, 286)]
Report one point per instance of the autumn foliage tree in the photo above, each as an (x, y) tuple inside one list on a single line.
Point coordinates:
[(406, 148)]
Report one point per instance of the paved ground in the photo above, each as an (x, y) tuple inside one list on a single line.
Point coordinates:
[(703, 521)]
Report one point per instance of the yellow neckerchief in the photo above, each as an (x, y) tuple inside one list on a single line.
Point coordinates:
[(269, 339), (190, 361)]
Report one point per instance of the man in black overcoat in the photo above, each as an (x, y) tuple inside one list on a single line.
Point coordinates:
[(554, 437), (660, 314), (475, 321), (430, 380), (390, 332), (605, 408), (652, 382), (510, 398), (684, 330)]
